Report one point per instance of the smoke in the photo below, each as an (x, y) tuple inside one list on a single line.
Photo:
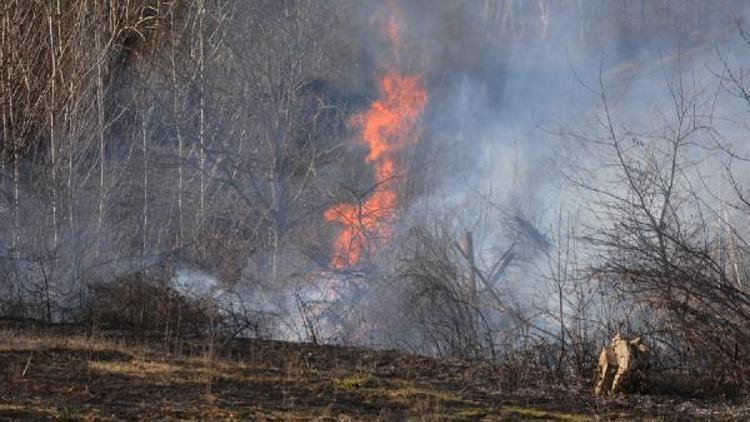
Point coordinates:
[(506, 78), (192, 282), (235, 200)]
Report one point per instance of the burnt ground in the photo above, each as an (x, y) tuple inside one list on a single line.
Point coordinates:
[(61, 373)]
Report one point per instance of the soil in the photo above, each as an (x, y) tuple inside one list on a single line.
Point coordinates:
[(54, 373)]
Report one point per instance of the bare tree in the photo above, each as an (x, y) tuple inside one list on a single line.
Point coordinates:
[(655, 238)]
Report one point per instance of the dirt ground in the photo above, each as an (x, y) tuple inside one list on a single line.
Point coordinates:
[(60, 373)]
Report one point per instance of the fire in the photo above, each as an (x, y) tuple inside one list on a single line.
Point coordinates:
[(387, 127), (391, 23)]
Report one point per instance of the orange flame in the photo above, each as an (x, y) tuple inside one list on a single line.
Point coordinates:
[(391, 23), (388, 126)]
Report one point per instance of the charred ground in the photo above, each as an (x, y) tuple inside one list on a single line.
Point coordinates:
[(67, 373)]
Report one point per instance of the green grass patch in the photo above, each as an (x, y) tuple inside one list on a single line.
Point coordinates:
[(355, 381)]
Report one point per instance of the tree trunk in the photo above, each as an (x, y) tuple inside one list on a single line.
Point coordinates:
[(51, 112), (178, 133), (202, 127), (145, 181), (99, 55), (468, 247)]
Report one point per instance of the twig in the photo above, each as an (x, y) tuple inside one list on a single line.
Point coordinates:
[(28, 363)]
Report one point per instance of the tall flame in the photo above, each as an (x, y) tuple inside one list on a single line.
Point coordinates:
[(387, 127)]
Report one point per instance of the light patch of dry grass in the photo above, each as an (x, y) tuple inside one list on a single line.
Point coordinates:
[(133, 368), (15, 340), (202, 363), (408, 394), (539, 414)]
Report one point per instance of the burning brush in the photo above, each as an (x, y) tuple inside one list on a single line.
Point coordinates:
[(388, 127)]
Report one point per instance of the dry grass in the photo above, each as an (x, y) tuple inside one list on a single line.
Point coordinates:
[(48, 374), (134, 368)]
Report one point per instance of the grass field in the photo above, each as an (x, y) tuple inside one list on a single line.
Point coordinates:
[(61, 373)]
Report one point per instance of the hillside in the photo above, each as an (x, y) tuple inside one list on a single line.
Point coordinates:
[(60, 373)]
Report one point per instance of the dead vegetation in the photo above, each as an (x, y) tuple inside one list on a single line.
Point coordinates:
[(61, 373)]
